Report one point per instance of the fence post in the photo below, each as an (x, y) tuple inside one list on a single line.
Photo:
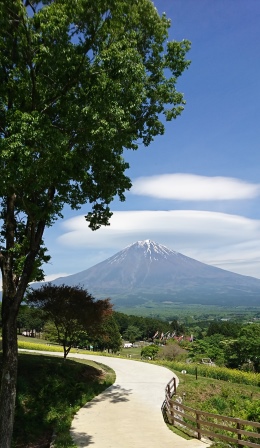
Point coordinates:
[(174, 386), (238, 427), (172, 413), (198, 425)]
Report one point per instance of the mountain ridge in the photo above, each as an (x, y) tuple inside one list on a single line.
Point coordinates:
[(147, 271)]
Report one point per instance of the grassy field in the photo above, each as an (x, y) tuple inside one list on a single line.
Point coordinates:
[(190, 312)]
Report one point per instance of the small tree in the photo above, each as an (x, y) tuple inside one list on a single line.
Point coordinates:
[(72, 310), (108, 336), (172, 350), (150, 351)]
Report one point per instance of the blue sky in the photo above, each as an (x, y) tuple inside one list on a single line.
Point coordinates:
[(197, 188)]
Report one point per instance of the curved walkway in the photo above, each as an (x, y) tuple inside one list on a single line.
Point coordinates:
[(128, 414)]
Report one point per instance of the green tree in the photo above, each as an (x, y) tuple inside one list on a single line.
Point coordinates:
[(108, 336), (150, 351), (80, 82), (177, 327), (208, 347), (71, 310), (30, 320), (246, 348), (132, 333), (229, 329), (147, 326), (122, 321)]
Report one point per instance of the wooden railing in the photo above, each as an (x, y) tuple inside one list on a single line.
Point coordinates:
[(213, 426)]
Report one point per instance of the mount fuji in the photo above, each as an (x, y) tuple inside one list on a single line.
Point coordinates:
[(146, 272)]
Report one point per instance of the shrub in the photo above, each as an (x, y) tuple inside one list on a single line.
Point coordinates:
[(150, 351)]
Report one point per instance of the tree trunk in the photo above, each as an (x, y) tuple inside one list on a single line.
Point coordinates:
[(9, 372)]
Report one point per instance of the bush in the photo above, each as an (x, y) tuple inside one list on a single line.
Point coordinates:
[(150, 351)]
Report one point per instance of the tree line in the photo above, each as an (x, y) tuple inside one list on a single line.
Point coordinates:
[(71, 317)]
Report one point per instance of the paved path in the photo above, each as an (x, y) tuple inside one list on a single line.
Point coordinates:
[(128, 414)]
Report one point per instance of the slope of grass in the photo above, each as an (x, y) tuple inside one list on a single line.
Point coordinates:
[(49, 392), (217, 396)]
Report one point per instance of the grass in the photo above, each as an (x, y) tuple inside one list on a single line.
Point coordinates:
[(217, 396), (49, 393), (35, 340)]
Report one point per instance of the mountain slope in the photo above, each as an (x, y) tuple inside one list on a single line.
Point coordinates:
[(147, 271)]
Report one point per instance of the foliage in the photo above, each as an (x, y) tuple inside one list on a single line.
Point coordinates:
[(245, 350), (108, 336), (172, 351), (150, 351), (226, 328), (71, 310), (147, 326), (208, 347), (177, 327), (78, 86), (29, 319), (80, 82), (253, 410), (132, 333)]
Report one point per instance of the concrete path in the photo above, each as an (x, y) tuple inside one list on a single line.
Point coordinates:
[(128, 414)]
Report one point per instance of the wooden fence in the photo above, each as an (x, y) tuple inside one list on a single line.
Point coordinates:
[(213, 426)]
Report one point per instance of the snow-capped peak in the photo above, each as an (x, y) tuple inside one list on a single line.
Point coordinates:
[(149, 249), (152, 248)]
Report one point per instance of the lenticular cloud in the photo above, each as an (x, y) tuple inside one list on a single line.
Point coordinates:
[(190, 187)]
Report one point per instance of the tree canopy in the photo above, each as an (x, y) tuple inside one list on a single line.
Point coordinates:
[(72, 310), (108, 336), (245, 350), (80, 82)]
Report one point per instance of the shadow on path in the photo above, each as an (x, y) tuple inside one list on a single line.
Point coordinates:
[(114, 394)]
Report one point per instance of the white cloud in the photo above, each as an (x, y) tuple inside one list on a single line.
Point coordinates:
[(190, 187), (50, 277), (228, 241)]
